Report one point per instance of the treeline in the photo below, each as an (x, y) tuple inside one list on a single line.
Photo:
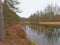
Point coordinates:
[(50, 14)]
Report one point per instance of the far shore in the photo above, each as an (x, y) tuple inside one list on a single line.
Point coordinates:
[(45, 23), (50, 23)]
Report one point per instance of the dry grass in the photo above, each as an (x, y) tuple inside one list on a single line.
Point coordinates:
[(15, 36)]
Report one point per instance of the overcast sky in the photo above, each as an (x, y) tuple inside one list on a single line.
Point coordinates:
[(28, 7)]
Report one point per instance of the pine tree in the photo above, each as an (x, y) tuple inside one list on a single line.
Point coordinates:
[(12, 4)]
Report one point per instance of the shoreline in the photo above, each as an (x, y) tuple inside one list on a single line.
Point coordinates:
[(50, 23), (47, 23)]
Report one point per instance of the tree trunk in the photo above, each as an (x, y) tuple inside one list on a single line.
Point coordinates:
[(2, 29)]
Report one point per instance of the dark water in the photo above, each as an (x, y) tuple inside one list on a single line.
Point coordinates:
[(43, 35)]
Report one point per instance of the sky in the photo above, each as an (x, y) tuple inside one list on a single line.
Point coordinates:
[(29, 7)]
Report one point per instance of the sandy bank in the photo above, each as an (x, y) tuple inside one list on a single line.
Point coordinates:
[(50, 23)]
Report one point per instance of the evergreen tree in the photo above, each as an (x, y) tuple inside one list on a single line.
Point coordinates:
[(10, 16), (12, 4)]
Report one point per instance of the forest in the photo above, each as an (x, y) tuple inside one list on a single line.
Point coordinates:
[(49, 14), (15, 31)]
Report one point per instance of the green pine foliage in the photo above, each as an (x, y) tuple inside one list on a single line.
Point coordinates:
[(10, 17)]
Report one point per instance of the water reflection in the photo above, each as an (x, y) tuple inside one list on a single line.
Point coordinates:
[(52, 35), (43, 35)]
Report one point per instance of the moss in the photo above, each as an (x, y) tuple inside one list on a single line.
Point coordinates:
[(33, 43)]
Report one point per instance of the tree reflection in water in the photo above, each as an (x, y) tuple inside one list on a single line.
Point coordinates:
[(43, 34), (52, 34)]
